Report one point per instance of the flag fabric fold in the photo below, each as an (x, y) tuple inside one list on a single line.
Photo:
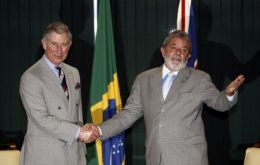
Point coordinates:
[(186, 22), (105, 100)]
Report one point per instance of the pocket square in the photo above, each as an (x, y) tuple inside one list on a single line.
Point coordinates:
[(77, 85)]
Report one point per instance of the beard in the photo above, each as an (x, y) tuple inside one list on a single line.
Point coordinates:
[(175, 63)]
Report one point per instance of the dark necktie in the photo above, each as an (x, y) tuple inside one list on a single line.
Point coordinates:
[(62, 80)]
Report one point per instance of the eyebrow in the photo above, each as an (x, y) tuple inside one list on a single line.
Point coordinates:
[(170, 44)]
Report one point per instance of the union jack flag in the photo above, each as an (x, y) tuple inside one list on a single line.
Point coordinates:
[(186, 22)]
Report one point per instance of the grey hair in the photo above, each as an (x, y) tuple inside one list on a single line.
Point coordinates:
[(59, 28), (177, 34)]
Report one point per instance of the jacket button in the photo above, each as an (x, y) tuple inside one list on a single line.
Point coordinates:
[(59, 108)]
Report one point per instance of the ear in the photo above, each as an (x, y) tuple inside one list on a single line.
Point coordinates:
[(44, 43), (162, 51)]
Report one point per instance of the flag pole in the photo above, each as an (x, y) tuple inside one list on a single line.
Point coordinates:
[(95, 6)]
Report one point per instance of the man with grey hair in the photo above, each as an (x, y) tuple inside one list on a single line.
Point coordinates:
[(171, 99), (51, 95)]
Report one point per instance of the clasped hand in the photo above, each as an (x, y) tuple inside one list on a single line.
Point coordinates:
[(88, 133)]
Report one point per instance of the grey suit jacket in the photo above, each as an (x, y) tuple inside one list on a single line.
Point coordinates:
[(53, 120), (174, 127)]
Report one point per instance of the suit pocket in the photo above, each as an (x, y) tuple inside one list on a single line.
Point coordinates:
[(196, 148)]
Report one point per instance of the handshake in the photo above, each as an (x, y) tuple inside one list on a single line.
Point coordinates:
[(88, 133)]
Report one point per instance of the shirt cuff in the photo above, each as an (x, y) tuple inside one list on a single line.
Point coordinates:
[(231, 98), (100, 131), (77, 134)]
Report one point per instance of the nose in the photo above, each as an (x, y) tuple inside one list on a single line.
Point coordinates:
[(178, 51), (59, 48)]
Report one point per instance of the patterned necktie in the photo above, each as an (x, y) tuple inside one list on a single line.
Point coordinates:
[(167, 83), (62, 80)]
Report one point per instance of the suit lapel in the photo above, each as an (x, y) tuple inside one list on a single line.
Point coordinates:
[(156, 82), (181, 78), (71, 88), (51, 79)]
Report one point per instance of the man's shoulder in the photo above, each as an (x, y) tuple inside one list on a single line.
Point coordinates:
[(32, 73), (69, 67), (33, 69), (150, 72), (197, 72)]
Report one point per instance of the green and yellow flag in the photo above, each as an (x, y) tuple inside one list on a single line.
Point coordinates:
[(105, 98)]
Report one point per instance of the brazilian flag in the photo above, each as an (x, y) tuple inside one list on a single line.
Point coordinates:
[(105, 100)]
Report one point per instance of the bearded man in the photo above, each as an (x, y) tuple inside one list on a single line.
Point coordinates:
[(171, 99)]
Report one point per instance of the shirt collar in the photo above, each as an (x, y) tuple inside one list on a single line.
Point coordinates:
[(51, 65), (165, 71)]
